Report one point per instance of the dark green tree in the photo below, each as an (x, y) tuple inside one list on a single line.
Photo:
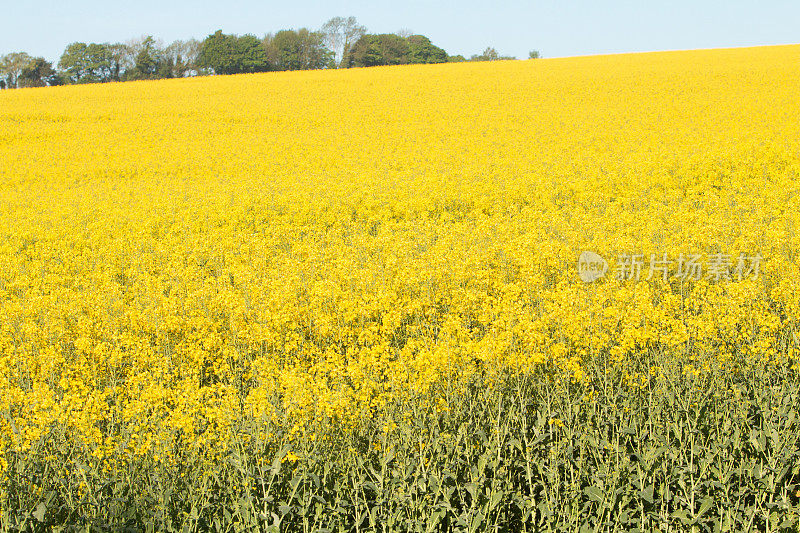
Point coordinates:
[(87, 63), (148, 59), (38, 73), (381, 49), (250, 55), (166, 68), (229, 54), (218, 52), (298, 50), (287, 50), (393, 49), (421, 50)]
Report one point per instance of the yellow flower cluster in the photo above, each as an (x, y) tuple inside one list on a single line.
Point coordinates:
[(181, 260)]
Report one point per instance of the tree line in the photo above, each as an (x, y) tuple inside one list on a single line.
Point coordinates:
[(339, 43)]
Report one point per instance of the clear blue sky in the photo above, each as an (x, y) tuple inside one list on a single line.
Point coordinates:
[(555, 27)]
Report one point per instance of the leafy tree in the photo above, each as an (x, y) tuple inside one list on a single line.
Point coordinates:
[(148, 59), (147, 62), (381, 49), (298, 50), (490, 54), (38, 73), (534, 54), (456, 59), (229, 54), (166, 68), (285, 50), (393, 49), (268, 44), (421, 50), (87, 63), (340, 35), (250, 54), (314, 53), (218, 52), (132, 50), (11, 66), (341, 42)]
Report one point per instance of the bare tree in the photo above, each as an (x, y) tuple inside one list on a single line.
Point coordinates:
[(405, 33), (121, 59), (340, 34), (139, 44), (183, 55)]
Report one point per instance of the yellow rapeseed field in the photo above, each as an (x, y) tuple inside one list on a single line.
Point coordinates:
[(185, 264)]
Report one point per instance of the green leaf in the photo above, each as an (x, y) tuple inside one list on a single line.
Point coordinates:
[(682, 515), (705, 506), (594, 494), (495, 499), (471, 488)]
